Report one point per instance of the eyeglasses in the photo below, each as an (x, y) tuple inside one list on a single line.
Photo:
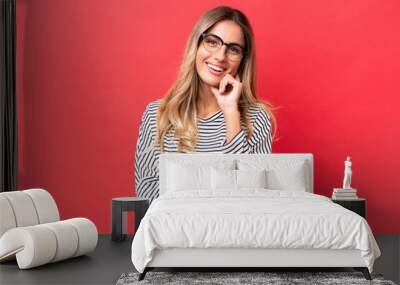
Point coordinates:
[(213, 43)]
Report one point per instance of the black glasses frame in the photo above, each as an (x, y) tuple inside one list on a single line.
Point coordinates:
[(203, 35)]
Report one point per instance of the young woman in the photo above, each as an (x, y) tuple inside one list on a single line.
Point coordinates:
[(212, 106)]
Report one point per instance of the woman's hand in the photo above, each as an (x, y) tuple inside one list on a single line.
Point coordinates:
[(228, 93), (228, 96)]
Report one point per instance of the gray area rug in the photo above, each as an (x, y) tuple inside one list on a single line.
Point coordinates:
[(270, 278)]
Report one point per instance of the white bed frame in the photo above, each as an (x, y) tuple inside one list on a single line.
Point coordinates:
[(246, 258)]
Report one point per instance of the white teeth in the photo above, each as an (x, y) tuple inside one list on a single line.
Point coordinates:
[(216, 68)]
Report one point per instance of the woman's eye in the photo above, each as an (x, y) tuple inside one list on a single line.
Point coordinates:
[(212, 42), (235, 50)]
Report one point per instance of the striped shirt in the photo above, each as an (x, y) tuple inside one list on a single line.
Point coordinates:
[(211, 138)]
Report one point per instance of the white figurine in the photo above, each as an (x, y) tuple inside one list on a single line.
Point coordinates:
[(347, 174)]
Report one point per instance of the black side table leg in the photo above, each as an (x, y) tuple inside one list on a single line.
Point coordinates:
[(119, 208), (118, 222)]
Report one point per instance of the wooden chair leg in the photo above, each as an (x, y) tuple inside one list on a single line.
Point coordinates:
[(364, 271)]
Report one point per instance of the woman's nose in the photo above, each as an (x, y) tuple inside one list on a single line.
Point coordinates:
[(221, 53)]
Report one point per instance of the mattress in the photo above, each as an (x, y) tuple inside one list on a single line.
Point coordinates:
[(250, 219)]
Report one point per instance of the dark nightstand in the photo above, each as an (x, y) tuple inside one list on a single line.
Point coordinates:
[(357, 206), (119, 218)]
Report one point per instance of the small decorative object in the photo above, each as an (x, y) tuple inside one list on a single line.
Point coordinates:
[(347, 192), (347, 174)]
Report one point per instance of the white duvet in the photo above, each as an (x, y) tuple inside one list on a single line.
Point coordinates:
[(252, 218)]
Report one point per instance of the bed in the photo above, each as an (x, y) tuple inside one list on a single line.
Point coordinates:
[(247, 210)]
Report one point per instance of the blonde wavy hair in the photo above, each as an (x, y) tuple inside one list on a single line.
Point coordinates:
[(177, 110)]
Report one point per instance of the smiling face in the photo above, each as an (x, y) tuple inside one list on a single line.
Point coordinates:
[(208, 63)]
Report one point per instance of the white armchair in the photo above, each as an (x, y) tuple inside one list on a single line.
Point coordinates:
[(31, 231)]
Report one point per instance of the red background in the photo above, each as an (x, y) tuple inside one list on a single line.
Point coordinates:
[(87, 69)]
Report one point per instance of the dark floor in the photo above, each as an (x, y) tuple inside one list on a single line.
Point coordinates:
[(111, 259), (102, 266)]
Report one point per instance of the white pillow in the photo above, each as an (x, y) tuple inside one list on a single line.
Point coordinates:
[(186, 174), (288, 179), (223, 179), (282, 174), (236, 179), (251, 178), (181, 178)]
